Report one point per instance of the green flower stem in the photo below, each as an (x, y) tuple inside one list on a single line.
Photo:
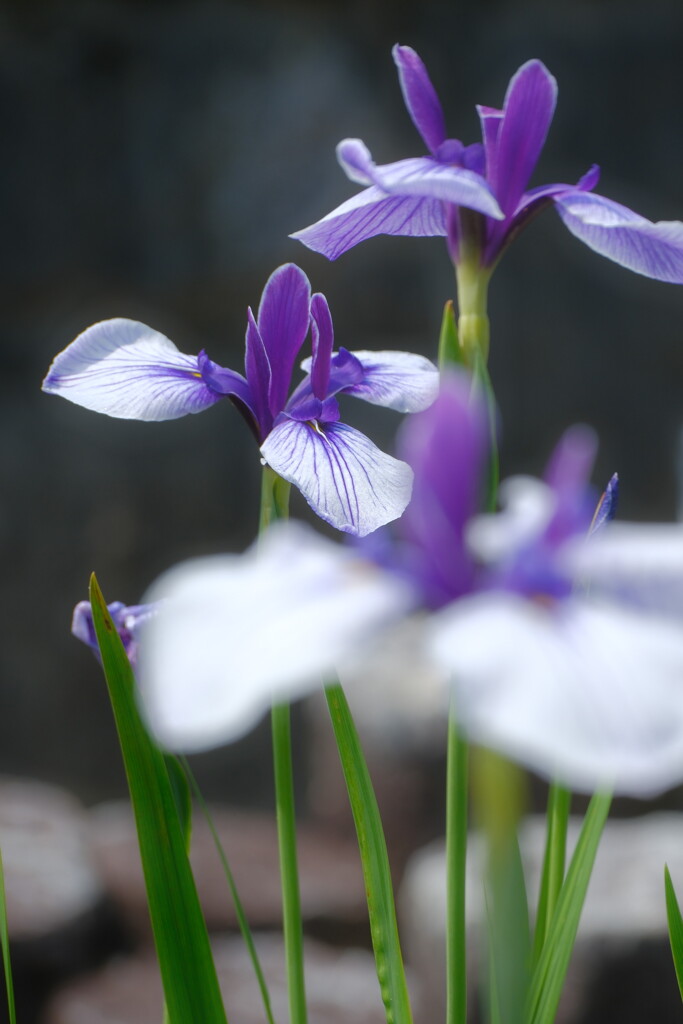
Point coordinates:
[(456, 859), (557, 818), (274, 506), (473, 284)]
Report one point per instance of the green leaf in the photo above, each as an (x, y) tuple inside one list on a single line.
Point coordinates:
[(232, 885), (675, 920), (557, 818), (4, 942), (551, 969), (450, 352), (187, 969), (374, 859)]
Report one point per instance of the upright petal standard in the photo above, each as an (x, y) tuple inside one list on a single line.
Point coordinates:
[(478, 195), (127, 370)]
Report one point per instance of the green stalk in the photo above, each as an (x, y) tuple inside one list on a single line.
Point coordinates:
[(473, 284), (274, 506), (456, 859), (557, 818)]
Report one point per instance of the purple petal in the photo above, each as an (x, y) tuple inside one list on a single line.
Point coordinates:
[(490, 120), (125, 369), (607, 505), (420, 96), (371, 213), (259, 374), (345, 479), (127, 619), (527, 114), (419, 176), (322, 336), (614, 231), (283, 321), (447, 447), (397, 380)]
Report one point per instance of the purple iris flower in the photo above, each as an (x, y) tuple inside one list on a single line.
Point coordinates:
[(127, 619), (125, 369), (478, 195), (563, 646)]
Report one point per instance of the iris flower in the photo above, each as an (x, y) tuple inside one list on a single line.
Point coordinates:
[(127, 619), (125, 369), (563, 642), (478, 195)]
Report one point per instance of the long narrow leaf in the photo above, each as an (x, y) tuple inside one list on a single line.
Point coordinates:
[(232, 885), (187, 969), (548, 977), (673, 914), (4, 942), (552, 877), (374, 859)]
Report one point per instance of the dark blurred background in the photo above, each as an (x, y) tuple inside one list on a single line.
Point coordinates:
[(155, 158)]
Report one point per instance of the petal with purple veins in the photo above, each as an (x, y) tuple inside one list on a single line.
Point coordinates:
[(419, 176), (614, 231), (125, 369), (343, 476), (420, 97), (236, 633), (372, 212)]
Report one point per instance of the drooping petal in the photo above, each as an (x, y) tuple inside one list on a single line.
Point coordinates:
[(420, 96), (397, 380), (584, 692), (614, 231), (419, 176), (343, 476), (283, 321), (236, 633), (322, 338), (371, 213), (527, 115), (125, 369), (638, 565)]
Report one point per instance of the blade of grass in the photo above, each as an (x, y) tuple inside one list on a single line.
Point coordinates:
[(232, 885), (551, 969), (186, 964), (374, 860), (4, 942), (673, 914)]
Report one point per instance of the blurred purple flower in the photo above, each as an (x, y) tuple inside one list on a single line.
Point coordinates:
[(478, 195), (125, 369), (564, 647)]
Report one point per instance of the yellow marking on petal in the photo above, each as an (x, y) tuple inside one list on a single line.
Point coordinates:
[(316, 426)]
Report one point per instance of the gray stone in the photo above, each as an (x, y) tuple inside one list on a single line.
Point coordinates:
[(332, 890), (341, 985)]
